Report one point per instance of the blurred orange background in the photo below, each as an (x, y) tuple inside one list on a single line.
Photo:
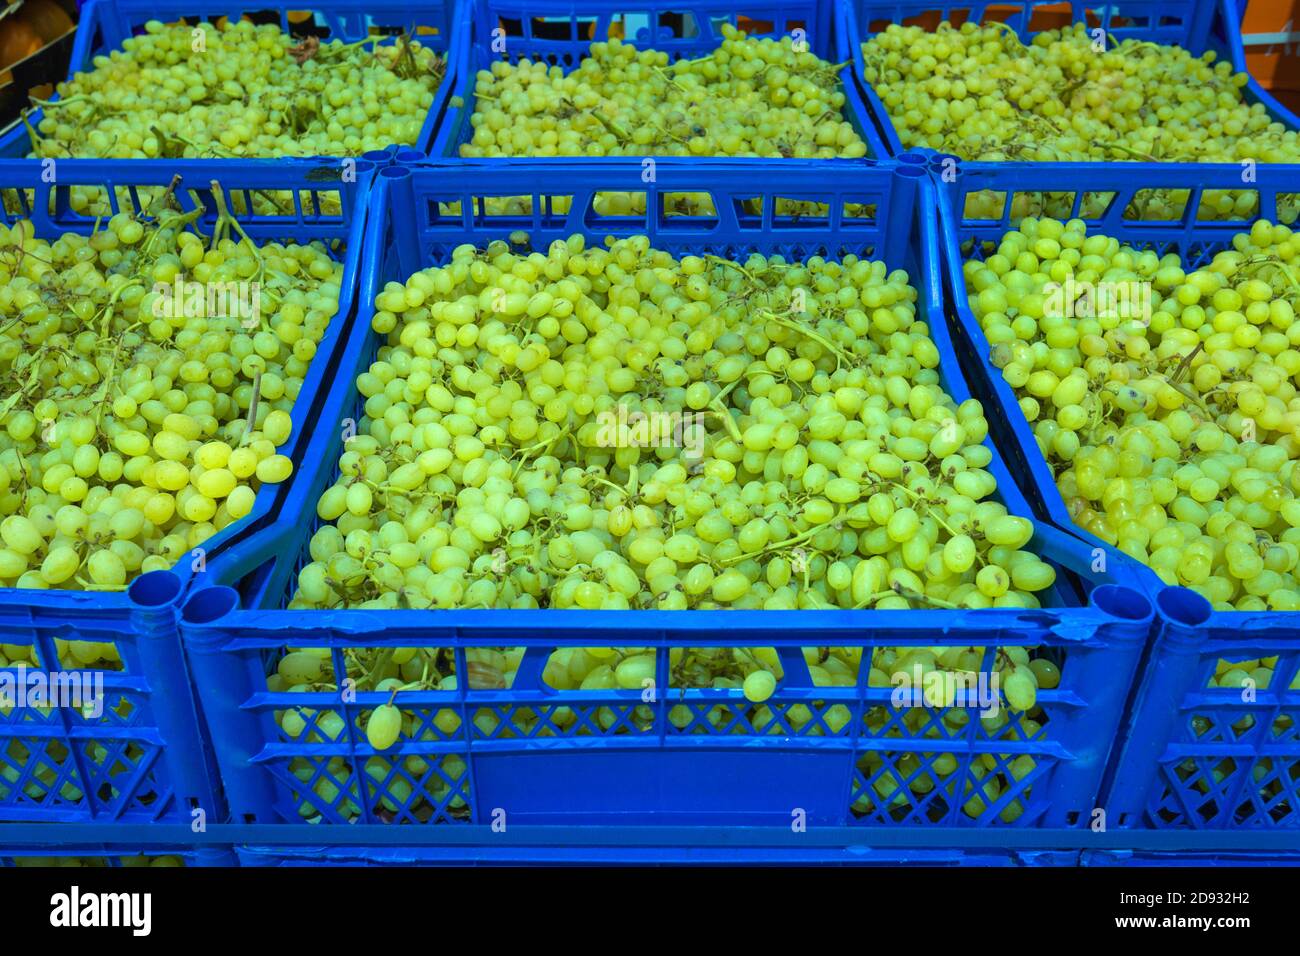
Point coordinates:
[(1277, 66)]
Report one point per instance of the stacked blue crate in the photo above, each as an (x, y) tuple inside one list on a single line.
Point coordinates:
[(138, 752), (734, 776), (1194, 755), (1196, 25), (104, 24), (489, 31)]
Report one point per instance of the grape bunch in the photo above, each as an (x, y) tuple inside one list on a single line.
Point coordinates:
[(749, 97), (977, 91), (237, 90), (509, 419), (244, 90), (135, 423), (619, 429), (1173, 429)]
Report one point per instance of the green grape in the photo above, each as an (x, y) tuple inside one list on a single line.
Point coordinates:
[(384, 726), (759, 686)]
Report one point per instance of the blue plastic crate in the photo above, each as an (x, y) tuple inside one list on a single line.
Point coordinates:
[(103, 25), (60, 854), (1193, 752), (1196, 25), (490, 30), (616, 854), (144, 757), (662, 776)]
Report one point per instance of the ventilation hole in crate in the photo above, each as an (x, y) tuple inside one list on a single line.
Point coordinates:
[(311, 668), (763, 28), (1272, 799), (1242, 677), (857, 212), (1050, 16), (671, 26), (620, 715), (616, 205), (688, 211), (929, 788), (487, 210), (1231, 204), (78, 655), (985, 204), (1093, 204), (15, 654), (719, 667), (17, 204), (550, 28), (306, 724), (799, 211), (1288, 208), (321, 788), (442, 211), (1285, 726), (83, 201), (598, 668), (748, 211)]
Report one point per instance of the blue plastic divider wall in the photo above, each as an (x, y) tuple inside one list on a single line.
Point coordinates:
[(481, 40), (145, 757), (1196, 25), (663, 776), (1195, 756), (103, 25)]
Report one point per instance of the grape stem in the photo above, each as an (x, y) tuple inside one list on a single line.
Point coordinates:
[(825, 343), (227, 221), (253, 400), (780, 545)]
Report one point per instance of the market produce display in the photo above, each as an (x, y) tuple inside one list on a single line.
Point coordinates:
[(136, 423), (819, 464), (1171, 428), (243, 90), (978, 92)]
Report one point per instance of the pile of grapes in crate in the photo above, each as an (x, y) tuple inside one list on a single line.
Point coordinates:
[(241, 90), (1170, 424), (749, 97), (979, 92), (136, 424)]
